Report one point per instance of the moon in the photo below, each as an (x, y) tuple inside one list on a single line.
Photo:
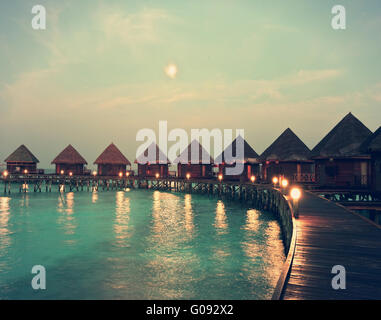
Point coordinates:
[(171, 70)]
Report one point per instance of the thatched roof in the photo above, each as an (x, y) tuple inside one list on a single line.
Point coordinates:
[(288, 147), (112, 155), (343, 140), (249, 154), (194, 153), (159, 156), (69, 156), (22, 154), (372, 143)]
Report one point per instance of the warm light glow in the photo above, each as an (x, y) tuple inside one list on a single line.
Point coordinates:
[(275, 180), (220, 177), (295, 193), (62, 172), (252, 179), (221, 222), (94, 173), (120, 174), (171, 70), (284, 183), (188, 176), (25, 171), (70, 174), (157, 176), (5, 173), (127, 174), (189, 225)]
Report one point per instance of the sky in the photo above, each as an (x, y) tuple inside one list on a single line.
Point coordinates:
[(96, 75)]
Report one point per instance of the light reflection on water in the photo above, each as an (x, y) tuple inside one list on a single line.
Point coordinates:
[(94, 197), (167, 253), (121, 219), (5, 238), (221, 220), (137, 245), (66, 217), (189, 225)]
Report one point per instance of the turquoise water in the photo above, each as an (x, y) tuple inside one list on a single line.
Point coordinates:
[(136, 244)]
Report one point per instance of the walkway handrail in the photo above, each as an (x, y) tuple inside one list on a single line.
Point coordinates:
[(277, 295)]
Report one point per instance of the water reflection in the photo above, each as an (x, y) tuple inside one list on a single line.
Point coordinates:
[(70, 203), (180, 246), (171, 261), (220, 221), (251, 220), (274, 251), (5, 239), (94, 196), (222, 251), (67, 218), (122, 218), (189, 225), (251, 246), (266, 250), (158, 223), (24, 201)]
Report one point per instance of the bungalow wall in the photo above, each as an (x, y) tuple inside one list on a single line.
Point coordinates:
[(20, 167), (195, 170), (111, 169), (376, 171), (150, 170), (343, 172), (249, 170), (294, 171), (76, 169)]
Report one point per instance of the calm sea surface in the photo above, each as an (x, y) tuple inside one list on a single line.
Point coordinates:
[(137, 244)]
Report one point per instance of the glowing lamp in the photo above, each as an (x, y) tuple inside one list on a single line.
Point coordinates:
[(70, 174), (220, 177), (275, 180), (188, 176), (5, 173), (295, 193), (120, 174), (94, 173), (127, 174), (284, 183), (62, 172), (252, 179), (25, 171), (157, 175)]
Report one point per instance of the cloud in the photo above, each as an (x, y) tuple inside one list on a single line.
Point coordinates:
[(132, 28), (306, 76)]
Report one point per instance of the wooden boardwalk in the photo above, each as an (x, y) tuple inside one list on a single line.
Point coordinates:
[(328, 235)]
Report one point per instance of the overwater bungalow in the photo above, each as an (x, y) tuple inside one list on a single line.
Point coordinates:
[(112, 162), (22, 161), (70, 162), (372, 146), (194, 162), (250, 161), (153, 166), (338, 160), (287, 157)]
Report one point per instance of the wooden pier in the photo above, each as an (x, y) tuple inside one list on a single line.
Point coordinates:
[(324, 235), (329, 235)]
